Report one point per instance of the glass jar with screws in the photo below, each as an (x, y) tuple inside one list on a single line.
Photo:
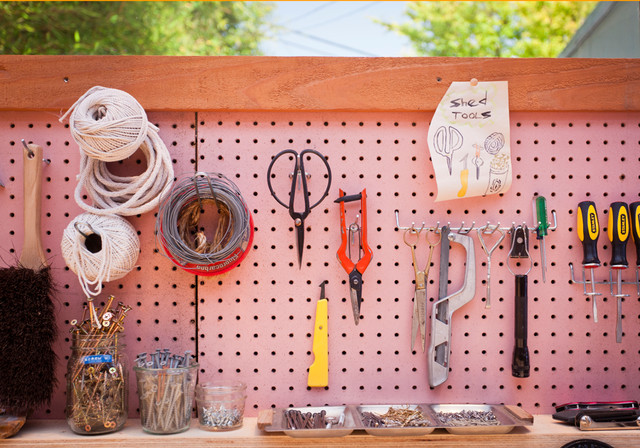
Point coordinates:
[(166, 394), (97, 383), (221, 405)]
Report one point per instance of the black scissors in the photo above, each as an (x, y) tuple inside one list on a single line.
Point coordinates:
[(299, 179)]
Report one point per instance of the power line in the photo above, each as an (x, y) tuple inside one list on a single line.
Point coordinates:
[(342, 16), (308, 13), (304, 47), (335, 44)]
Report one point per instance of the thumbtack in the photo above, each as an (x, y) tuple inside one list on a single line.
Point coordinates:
[(474, 82)]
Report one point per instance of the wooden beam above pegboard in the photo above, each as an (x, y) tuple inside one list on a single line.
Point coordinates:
[(252, 83)]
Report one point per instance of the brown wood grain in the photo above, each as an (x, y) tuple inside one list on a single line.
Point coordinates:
[(171, 83)]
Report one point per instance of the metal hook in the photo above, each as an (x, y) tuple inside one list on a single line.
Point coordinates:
[(195, 183), (463, 231), (30, 151)]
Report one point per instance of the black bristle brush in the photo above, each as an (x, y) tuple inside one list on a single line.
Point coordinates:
[(27, 314)]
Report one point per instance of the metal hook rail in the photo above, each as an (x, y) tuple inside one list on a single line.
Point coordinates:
[(487, 229)]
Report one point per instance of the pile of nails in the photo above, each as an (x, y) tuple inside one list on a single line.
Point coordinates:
[(468, 418), (163, 359), (298, 420)]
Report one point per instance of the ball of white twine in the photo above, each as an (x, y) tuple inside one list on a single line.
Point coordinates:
[(116, 258), (108, 124), (126, 195)]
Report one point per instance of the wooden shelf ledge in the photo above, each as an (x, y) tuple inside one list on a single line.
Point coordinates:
[(259, 83), (544, 433)]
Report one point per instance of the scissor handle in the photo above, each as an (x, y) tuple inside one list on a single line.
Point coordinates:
[(436, 242), (413, 231), (304, 179), (273, 161), (298, 166)]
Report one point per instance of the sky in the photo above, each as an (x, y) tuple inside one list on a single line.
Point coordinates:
[(336, 28)]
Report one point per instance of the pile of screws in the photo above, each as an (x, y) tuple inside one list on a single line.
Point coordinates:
[(396, 417), (106, 322), (97, 375), (219, 417), (468, 418)]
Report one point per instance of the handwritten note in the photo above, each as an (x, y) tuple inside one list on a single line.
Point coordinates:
[(469, 140)]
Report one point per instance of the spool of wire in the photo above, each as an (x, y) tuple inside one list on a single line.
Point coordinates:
[(181, 235)]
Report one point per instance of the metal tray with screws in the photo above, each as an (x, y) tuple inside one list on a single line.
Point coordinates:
[(320, 421), (395, 420), (470, 419)]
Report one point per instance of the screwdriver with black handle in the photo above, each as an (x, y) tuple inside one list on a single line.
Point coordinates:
[(618, 233), (588, 232), (634, 209)]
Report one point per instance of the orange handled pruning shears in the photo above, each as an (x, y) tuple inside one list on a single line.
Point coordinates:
[(355, 270)]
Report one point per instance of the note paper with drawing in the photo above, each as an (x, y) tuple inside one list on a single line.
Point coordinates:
[(469, 140)]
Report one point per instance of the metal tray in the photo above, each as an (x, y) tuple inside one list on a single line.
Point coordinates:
[(394, 431), (280, 424), (507, 419)]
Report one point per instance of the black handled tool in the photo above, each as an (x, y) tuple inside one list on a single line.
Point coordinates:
[(618, 233), (520, 249), (588, 232), (634, 209)]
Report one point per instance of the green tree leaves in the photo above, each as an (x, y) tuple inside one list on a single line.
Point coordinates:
[(491, 29), (145, 28)]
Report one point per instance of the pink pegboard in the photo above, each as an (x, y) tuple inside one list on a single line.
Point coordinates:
[(256, 321)]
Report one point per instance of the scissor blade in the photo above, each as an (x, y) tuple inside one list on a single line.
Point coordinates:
[(415, 321), (300, 243), (421, 306), (355, 305)]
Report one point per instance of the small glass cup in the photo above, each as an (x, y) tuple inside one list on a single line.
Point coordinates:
[(166, 398), (221, 405)]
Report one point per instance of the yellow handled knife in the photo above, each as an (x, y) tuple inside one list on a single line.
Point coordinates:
[(319, 370)]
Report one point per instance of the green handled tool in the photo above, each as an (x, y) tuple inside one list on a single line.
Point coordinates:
[(588, 232), (540, 214), (634, 209), (618, 233)]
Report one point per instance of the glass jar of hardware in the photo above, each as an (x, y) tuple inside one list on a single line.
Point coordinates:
[(97, 383), (221, 405)]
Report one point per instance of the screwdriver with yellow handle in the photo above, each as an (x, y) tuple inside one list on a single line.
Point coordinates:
[(588, 232), (319, 370), (618, 233), (464, 177), (634, 209)]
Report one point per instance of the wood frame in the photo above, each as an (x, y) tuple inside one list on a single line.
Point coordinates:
[(233, 83)]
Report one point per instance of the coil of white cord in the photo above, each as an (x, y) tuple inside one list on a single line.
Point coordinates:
[(99, 249), (110, 125)]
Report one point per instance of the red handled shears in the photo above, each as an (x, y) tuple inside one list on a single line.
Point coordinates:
[(355, 270)]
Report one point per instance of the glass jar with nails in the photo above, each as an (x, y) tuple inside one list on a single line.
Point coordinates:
[(221, 405), (97, 385), (165, 388)]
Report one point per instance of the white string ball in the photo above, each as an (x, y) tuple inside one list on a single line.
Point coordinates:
[(108, 124), (115, 259)]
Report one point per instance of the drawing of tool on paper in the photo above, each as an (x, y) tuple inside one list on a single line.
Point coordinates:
[(446, 142), (494, 143), (464, 177), (477, 161), (498, 174)]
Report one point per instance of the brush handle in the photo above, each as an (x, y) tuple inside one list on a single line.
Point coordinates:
[(32, 256)]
